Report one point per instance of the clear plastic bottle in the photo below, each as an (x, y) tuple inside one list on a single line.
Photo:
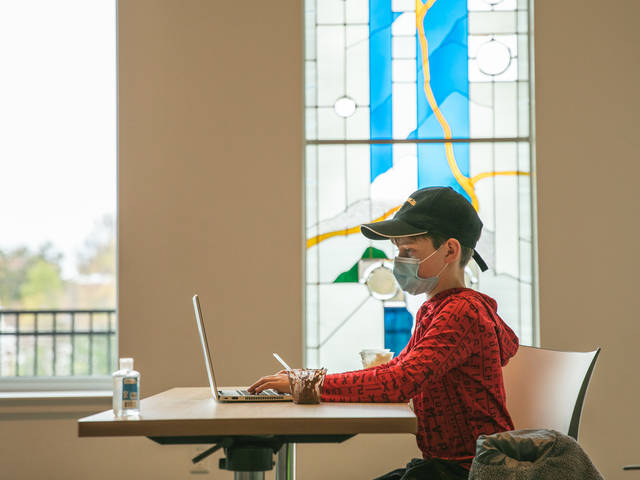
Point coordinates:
[(126, 390)]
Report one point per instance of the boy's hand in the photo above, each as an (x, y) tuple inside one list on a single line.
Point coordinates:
[(278, 381)]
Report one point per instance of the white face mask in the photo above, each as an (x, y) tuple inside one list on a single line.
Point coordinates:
[(406, 272)]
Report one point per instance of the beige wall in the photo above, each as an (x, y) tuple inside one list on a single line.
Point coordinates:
[(210, 201), (587, 72)]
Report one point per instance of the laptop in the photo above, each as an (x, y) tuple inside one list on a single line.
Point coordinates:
[(230, 394)]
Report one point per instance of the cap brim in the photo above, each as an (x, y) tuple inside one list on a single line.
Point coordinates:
[(397, 228), (389, 229), (481, 263)]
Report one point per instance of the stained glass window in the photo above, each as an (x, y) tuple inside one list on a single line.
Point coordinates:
[(401, 95)]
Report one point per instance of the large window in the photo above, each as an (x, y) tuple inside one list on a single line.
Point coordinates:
[(58, 195), (400, 95)]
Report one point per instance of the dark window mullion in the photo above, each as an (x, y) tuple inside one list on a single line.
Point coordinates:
[(17, 344), (35, 345), (55, 346), (108, 341), (73, 341), (90, 343)]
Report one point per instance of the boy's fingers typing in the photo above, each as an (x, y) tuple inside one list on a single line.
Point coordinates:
[(279, 382)]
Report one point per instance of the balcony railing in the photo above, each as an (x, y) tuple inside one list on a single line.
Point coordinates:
[(50, 343)]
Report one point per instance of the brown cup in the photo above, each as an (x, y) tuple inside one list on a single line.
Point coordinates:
[(306, 384)]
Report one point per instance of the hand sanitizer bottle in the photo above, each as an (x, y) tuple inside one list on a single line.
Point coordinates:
[(126, 390)]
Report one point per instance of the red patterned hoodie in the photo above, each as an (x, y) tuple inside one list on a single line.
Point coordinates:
[(451, 368)]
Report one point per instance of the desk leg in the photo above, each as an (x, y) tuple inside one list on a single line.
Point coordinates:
[(248, 475), (286, 463)]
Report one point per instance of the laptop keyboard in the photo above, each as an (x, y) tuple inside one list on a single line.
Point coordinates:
[(246, 393)]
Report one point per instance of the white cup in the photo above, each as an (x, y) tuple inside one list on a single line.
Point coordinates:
[(372, 357)]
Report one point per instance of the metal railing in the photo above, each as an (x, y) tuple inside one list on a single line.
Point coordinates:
[(45, 343)]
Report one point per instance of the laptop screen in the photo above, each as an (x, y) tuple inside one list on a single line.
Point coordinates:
[(205, 346)]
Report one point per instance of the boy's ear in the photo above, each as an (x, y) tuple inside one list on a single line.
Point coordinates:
[(454, 249)]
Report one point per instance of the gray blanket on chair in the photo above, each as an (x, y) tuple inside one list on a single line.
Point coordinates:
[(531, 455)]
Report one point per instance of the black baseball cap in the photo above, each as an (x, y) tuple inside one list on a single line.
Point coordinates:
[(439, 210)]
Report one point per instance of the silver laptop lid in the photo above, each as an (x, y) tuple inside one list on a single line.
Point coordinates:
[(205, 347)]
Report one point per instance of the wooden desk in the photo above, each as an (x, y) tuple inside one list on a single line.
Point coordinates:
[(191, 415)]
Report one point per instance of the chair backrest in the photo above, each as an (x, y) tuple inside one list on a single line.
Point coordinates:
[(546, 388)]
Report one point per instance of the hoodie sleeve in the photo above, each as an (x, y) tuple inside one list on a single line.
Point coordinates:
[(509, 342), (446, 344)]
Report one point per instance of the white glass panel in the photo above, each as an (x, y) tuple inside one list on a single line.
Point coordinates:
[(526, 314), (403, 70), (358, 172), (330, 64), (312, 269), (523, 21), (506, 109), (480, 158), (485, 5), (524, 204), (510, 74), (506, 157), (480, 109), (363, 327), (478, 45), (332, 190), (358, 124), (311, 125), (391, 188), (499, 5), (344, 107), (338, 254), (311, 189), (310, 30), (525, 261), (405, 24), (358, 64), (310, 83), (357, 11), (403, 5), (330, 125), (404, 47), (312, 308), (312, 359), (404, 109), (523, 57), (481, 161), (492, 22), (330, 11), (507, 291), (523, 109), (338, 302), (506, 232), (493, 57), (402, 179), (524, 159)]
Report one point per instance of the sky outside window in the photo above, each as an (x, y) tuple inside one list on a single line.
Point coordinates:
[(58, 141)]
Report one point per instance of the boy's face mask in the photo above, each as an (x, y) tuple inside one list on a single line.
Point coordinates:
[(406, 272)]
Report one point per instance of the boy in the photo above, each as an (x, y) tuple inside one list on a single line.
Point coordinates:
[(452, 366)]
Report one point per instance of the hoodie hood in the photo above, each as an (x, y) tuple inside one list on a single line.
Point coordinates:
[(507, 339)]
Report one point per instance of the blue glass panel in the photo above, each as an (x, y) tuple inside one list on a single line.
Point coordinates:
[(446, 32), (433, 165), (397, 328), (380, 22)]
